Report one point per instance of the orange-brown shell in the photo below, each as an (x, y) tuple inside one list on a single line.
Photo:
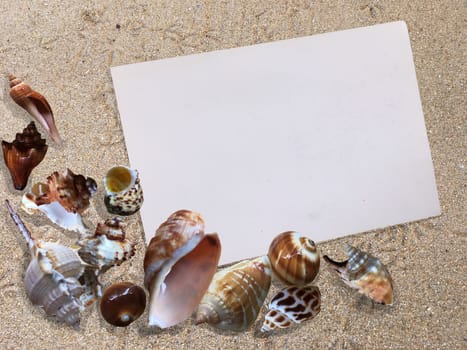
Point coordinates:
[(72, 191), (35, 104), (179, 264), (294, 258), (24, 154), (365, 273)]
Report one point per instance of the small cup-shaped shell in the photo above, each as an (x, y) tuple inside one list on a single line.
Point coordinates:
[(294, 258), (35, 104), (179, 264), (122, 303), (124, 195), (292, 305), (24, 154), (365, 273), (236, 295)]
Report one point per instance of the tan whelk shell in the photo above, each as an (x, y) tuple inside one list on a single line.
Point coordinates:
[(62, 199), (24, 154), (294, 258), (179, 264), (365, 273), (35, 104), (52, 277), (235, 296), (292, 305)]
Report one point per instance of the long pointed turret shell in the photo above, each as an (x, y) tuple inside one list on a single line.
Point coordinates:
[(24, 154), (35, 104), (51, 279), (292, 305), (365, 273), (179, 264), (236, 295)]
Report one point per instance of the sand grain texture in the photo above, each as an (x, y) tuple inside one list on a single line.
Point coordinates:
[(64, 50)]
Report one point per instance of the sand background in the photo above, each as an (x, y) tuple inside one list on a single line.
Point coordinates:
[(64, 50)]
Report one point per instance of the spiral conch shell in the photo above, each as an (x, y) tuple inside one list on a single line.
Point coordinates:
[(62, 199), (179, 264), (292, 305), (35, 104), (24, 154), (294, 258), (235, 296), (365, 273), (52, 277)]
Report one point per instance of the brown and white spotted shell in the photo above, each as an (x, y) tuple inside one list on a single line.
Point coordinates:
[(365, 273), (294, 258), (235, 296), (124, 194), (292, 305), (52, 277)]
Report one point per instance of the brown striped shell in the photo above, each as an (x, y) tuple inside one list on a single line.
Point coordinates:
[(294, 258), (365, 273), (236, 295), (179, 264), (35, 104), (292, 305)]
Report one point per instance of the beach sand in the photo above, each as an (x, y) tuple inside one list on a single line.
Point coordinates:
[(64, 50)]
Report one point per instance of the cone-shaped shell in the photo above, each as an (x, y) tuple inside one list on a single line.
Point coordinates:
[(292, 305), (35, 104), (24, 154), (122, 303), (365, 273), (294, 258), (236, 295), (179, 264)]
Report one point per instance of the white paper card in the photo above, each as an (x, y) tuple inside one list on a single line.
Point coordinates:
[(322, 134)]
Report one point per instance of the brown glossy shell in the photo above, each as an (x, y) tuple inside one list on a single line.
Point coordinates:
[(72, 191), (294, 258), (179, 264), (24, 154), (122, 303), (35, 104), (235, 296), (365, 273), (292, 305)]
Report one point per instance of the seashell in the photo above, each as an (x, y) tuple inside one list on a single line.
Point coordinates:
[(35, 104), (292, 305), (108, 247), (123, 303), (179, 264), (294, 258), (365, 273), (124, 195), (24, 154), (51, 279), (62, 199), (235, 296)]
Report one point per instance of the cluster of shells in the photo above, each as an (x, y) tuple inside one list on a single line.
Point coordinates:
[(181, 271)]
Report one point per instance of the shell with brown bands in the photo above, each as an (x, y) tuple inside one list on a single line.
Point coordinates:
[(294, 258), (235, 296)]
